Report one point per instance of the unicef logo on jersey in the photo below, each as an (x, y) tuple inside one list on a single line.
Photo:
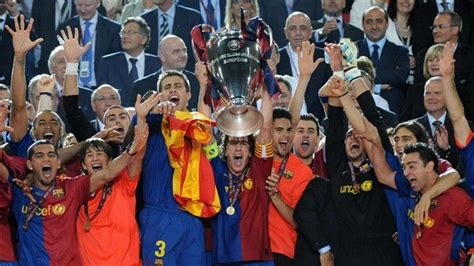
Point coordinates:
[(55, 209)]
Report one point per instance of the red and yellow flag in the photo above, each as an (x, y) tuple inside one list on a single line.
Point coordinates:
[(194, 187)]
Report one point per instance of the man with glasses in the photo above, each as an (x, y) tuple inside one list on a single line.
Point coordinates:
[(447, 27), (121, 69)]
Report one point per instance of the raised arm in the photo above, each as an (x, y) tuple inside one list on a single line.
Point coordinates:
[(264, 136), (201, 75), (21, 45), (453, 103), (73, 51), (118, 164), (142, 109), (3, 117), (46, 87), (306, 66)]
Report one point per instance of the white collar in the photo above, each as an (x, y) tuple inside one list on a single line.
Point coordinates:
[(431, 118), (140, 57), (93, 20)]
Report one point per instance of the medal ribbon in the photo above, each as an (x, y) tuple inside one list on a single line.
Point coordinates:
[(281, 170), (34, 206), (105, 192), (355, 184), (234, 191)]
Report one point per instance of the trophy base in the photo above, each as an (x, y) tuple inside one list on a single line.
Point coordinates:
[(239, 121)]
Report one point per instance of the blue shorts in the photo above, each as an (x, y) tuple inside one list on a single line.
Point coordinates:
[(171, 237)]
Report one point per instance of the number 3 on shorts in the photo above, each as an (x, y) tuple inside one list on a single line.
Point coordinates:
[(161, 245)]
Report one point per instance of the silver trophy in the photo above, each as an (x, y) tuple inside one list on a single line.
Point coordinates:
[(234, 64)]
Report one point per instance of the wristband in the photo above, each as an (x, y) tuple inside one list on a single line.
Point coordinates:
[(352, 73), (339, 73), (71, 69), (46, 93), (344, 94)]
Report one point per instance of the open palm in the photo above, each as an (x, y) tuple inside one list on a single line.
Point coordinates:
[(21, 36)]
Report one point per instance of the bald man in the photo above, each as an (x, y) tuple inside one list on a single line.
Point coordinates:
[(174, 56)]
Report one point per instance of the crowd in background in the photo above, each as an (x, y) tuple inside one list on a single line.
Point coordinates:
[(359, 161)]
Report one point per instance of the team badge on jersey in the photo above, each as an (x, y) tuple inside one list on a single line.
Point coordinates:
[(59, 209), (429, 222), (248, 183), (58, 193), (288, 174), (366, 185)]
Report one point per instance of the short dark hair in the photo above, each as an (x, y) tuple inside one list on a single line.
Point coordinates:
[(372, 8), (282, 79), (311, 117), (455, 18), (170, 73), (31, 149), (416, 128), (98, 144), (143, 25), (279, 112), (427, 154)]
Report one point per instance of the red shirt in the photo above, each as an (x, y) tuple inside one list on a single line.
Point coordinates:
[(433, 247)]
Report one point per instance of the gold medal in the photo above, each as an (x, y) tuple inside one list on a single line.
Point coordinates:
[(230, 210), (418, 234), (356, 187), (87, 226)]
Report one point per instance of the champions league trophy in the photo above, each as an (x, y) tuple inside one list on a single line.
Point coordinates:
[(235, 63)]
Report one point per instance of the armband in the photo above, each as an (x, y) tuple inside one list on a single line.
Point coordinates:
[(211, 151), (71, 69), (264, 151)]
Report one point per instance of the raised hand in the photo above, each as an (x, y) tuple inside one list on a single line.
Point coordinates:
[(109, 135), (46, 83), (72, 49), (165, 108), (446, 62), (139, 142), (201, 74), (334, 52), (306, 63), (21, 36), (143, 108), (334, 87)]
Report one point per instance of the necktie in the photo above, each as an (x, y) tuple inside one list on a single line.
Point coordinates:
[(375, 54), (211, 19), (64, 12), (86, 76), (134, 71), (445, 5), (436, 124), (334, 36), (164, 28)]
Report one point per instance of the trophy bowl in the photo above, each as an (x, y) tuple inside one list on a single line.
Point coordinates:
[(234, 64)]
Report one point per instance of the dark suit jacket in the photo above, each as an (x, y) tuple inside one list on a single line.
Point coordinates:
[(43, 11), (147, 83), (393, 68), (7, 53), (424, 15), (185, 19), (113, 70), (350, 31), (319, 77), (453, 155), (463, 75), (195, 4), (274, 13), (107, 39)]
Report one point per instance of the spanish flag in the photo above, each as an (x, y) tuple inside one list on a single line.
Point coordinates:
[(194, 187)]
